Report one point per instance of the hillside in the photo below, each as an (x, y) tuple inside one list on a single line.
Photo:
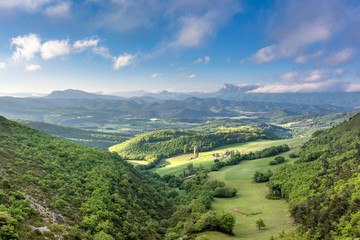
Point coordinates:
[(166, 143), (102, 140), (303, 125), (78, 192), (323, 186)]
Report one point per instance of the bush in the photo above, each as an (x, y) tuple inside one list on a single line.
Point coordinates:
[(293, 155), (260, 177), (277, 160)]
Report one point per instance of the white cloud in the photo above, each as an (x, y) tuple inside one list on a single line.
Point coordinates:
[(26, 46), (340, 57), (303, 58), (199, 60), (192, 76), (155, 75), (190, 22), (306, 30), (194, 31), (81, 45), (264, 55), (33, 67), (316, 75), (290, 76), (325, 86), (2, 65), (54, 48), (27, 5), (294, 43), (60, 10), (353, 87), (102, 51), (123, 60), (206, 59), (314, 81)]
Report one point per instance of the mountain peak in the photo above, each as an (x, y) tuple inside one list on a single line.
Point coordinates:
[(78, 94)]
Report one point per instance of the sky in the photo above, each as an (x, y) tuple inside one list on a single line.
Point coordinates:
[(179, 45)]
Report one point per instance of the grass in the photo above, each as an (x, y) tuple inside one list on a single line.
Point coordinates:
[(251, 198), (175, 165)]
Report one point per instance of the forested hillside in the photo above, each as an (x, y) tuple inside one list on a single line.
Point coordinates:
[(165, 143), (323, 186), (102, 140), (79, 191), (53, 189)]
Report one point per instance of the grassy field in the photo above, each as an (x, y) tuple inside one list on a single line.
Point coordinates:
[(250, 203), (175, 165)]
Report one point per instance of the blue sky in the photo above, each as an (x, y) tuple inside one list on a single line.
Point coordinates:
[(179, 45)]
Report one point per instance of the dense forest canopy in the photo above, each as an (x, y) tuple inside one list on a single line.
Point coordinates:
[(323, 185), (89, 188)]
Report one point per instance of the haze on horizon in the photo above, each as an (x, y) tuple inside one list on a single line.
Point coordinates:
[(179, 45)]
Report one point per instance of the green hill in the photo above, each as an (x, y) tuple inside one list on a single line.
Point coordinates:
[(51, 188), (102, 140), (323, 186), (155, 145)]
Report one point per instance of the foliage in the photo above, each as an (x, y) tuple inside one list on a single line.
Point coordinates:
[(196, 216), (91, 138), (260, 177), (212, 221), (236, 158), (277, 160), (260, 223), (166, 143), (323, 185), (94, 190)]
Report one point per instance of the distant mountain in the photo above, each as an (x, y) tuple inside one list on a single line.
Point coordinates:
[(240, 93), (129, 94), (347, 100), (83, 111), (166, 95), (78, 94)]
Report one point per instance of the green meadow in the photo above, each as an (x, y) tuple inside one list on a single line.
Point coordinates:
[(175, 165), (250, 203)]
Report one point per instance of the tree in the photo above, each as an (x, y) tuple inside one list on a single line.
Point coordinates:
[(260, 223), (7, 223)]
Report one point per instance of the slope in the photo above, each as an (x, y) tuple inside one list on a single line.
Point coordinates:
[(78, 192), (102, 140), (166, 143), (323, 186)]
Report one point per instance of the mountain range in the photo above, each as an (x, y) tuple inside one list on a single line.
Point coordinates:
[(227, 92), (77, 108), (349, 100)]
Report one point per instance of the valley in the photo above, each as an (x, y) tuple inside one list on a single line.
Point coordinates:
[(179, 120), (200, 169)]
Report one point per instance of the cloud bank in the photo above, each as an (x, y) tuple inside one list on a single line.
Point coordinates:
[(28, 46)]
